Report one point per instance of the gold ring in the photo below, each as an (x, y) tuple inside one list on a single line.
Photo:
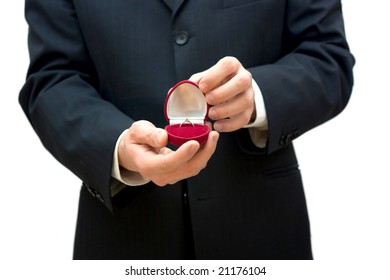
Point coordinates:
[(186, 121)]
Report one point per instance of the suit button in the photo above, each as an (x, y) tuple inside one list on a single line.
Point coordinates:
[(288, 138), (182, 38)]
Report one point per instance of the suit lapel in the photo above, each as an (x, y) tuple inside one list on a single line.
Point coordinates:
[(174, 5)]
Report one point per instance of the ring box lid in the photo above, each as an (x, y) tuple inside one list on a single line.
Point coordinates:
[(186, 110), (185, 102)]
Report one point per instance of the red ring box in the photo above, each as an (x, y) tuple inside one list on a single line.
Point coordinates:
[(186, 111)]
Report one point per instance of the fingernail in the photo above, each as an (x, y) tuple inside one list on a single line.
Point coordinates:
[(210, 99), (192, 149), (203, 86), (212, 114), (218, 127)]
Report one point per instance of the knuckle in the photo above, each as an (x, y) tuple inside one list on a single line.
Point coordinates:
[(132, 130), (160, 183), (162, 180), (196, 169), (249, 75), (230, 64), (244, 81), (135, 130), (202, 166), (193, 172), (136, 126)]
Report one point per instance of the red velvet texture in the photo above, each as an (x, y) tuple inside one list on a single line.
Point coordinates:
[(178, 135)]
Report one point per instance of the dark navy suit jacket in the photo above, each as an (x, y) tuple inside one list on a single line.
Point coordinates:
[(97, 66)]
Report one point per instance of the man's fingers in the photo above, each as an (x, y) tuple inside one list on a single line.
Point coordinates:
[(169, 162), (207, 150), (232, 124), (240, 103), (218, 73), (193, 166), (237, 84)]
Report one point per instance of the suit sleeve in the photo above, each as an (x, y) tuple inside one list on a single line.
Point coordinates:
[(61, 97), (313, 81)]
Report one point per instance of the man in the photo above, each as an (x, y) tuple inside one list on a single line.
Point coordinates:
[(95, 92)]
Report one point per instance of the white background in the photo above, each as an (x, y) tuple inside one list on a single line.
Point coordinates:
[(344, 163)]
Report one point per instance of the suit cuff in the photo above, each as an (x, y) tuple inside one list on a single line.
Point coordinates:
[(124, 176)]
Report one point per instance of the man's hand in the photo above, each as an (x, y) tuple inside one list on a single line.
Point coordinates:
[(228, 88), (143, 150)]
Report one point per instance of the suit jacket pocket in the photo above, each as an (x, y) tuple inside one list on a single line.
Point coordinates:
[(233, 3)]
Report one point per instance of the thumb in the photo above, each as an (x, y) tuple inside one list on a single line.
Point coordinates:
[(144, 132)]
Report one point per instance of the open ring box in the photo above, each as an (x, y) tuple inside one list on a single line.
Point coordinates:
[(186, 111)]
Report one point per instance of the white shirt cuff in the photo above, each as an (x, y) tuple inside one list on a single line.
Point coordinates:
[(258, 130), (261, 116)]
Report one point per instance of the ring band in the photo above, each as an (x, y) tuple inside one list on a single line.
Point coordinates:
[(186, 121)]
